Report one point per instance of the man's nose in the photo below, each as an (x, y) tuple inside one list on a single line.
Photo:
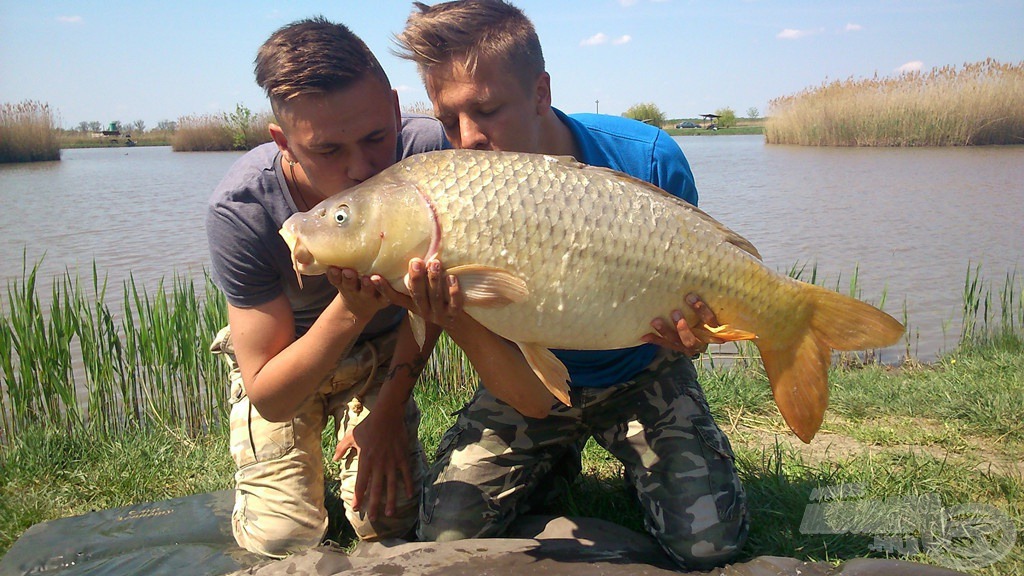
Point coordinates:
[(471, 137), (360, 167)]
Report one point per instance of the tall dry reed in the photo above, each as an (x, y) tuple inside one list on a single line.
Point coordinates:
[(239, 130), (201, 133), (28, 132), (978, 104)]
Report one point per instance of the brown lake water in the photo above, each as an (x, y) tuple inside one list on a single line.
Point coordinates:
[(908, 221)]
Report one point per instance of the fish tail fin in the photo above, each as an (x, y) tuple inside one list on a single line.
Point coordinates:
[(849, 324), (797, 362)]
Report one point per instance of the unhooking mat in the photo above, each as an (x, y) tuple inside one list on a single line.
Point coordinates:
[(183, 536), (192, 536)]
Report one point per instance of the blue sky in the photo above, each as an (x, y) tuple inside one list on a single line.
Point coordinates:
[(142, 60)]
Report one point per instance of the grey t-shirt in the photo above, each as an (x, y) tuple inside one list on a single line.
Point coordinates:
[(250, 261)]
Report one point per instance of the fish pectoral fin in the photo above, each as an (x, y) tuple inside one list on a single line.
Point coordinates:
[(549, 369), (724, 332), (798, 373), (419, 329), (489, 287)]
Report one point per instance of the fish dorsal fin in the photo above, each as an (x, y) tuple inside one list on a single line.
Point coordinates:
[(730, 236), (549, 369), (566, 161), (489, 287)]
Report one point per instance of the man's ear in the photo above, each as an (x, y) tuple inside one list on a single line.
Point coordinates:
[(542, 92), (281, 140), (398, 109)]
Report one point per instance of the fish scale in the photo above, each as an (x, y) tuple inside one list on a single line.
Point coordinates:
[(551, 253), (606, 239)]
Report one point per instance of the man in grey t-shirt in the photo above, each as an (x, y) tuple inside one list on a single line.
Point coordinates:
[(333, 347)]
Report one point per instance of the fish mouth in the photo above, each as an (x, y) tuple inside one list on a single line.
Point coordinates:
[(303, 261)]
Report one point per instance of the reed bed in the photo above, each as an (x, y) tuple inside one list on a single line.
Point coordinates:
[(979, 103), (238, 130), (147, 365), (28, 132)]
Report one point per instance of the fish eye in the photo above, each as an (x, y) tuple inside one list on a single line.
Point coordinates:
[(341, 214)]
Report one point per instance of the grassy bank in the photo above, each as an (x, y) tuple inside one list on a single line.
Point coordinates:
[(28, 132), (950, 430), (743, 127), (74, 139), (978, 104)]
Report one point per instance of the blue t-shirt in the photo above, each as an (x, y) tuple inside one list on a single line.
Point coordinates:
[(645, 152)]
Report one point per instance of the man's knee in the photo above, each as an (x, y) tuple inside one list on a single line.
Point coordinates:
[(439, 530), (274, 537), (714, 546), (399, 525), (456, 511)]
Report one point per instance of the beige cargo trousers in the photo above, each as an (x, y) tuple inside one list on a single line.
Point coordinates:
[(279, 482)]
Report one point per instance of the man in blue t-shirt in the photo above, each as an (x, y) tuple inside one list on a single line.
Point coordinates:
[(483, 69), (332, 346)]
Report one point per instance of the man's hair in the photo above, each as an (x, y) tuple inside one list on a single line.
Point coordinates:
[(467, 31), (313, 56)]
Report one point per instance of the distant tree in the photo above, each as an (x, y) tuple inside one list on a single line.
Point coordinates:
[(727, 117), (83, 126), (646, 112), (240, 122), (139, 126), (94, 126), (166, 126), (753, 112)]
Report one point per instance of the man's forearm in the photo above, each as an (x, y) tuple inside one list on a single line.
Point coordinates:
[(502, 369)]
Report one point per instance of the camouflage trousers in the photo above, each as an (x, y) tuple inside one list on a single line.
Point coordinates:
[(681, 465), (279, 482)]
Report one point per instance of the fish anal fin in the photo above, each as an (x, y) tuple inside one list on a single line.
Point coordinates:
[(724, 332), (489, 287), (549, 369), (798, 374), (419, 329)]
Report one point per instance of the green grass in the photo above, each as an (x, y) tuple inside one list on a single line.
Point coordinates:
[(950, 430), (732, 131)]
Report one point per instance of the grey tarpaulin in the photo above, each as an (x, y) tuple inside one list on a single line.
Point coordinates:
[(183, 536), (191, 536)]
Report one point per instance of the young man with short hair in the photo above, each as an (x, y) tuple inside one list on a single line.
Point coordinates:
[(483, 68), (332, 346)]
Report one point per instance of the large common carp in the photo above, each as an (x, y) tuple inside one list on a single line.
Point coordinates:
[(551, 253)]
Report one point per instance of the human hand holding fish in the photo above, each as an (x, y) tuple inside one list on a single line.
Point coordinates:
[(678, 336), (360, 294), (436, 297)]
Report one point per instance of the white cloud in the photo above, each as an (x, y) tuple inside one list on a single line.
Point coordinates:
[(627, 3), (912, 66), (599, 38), (624, 39), (851, 27), (70, 19), (793, 34)]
